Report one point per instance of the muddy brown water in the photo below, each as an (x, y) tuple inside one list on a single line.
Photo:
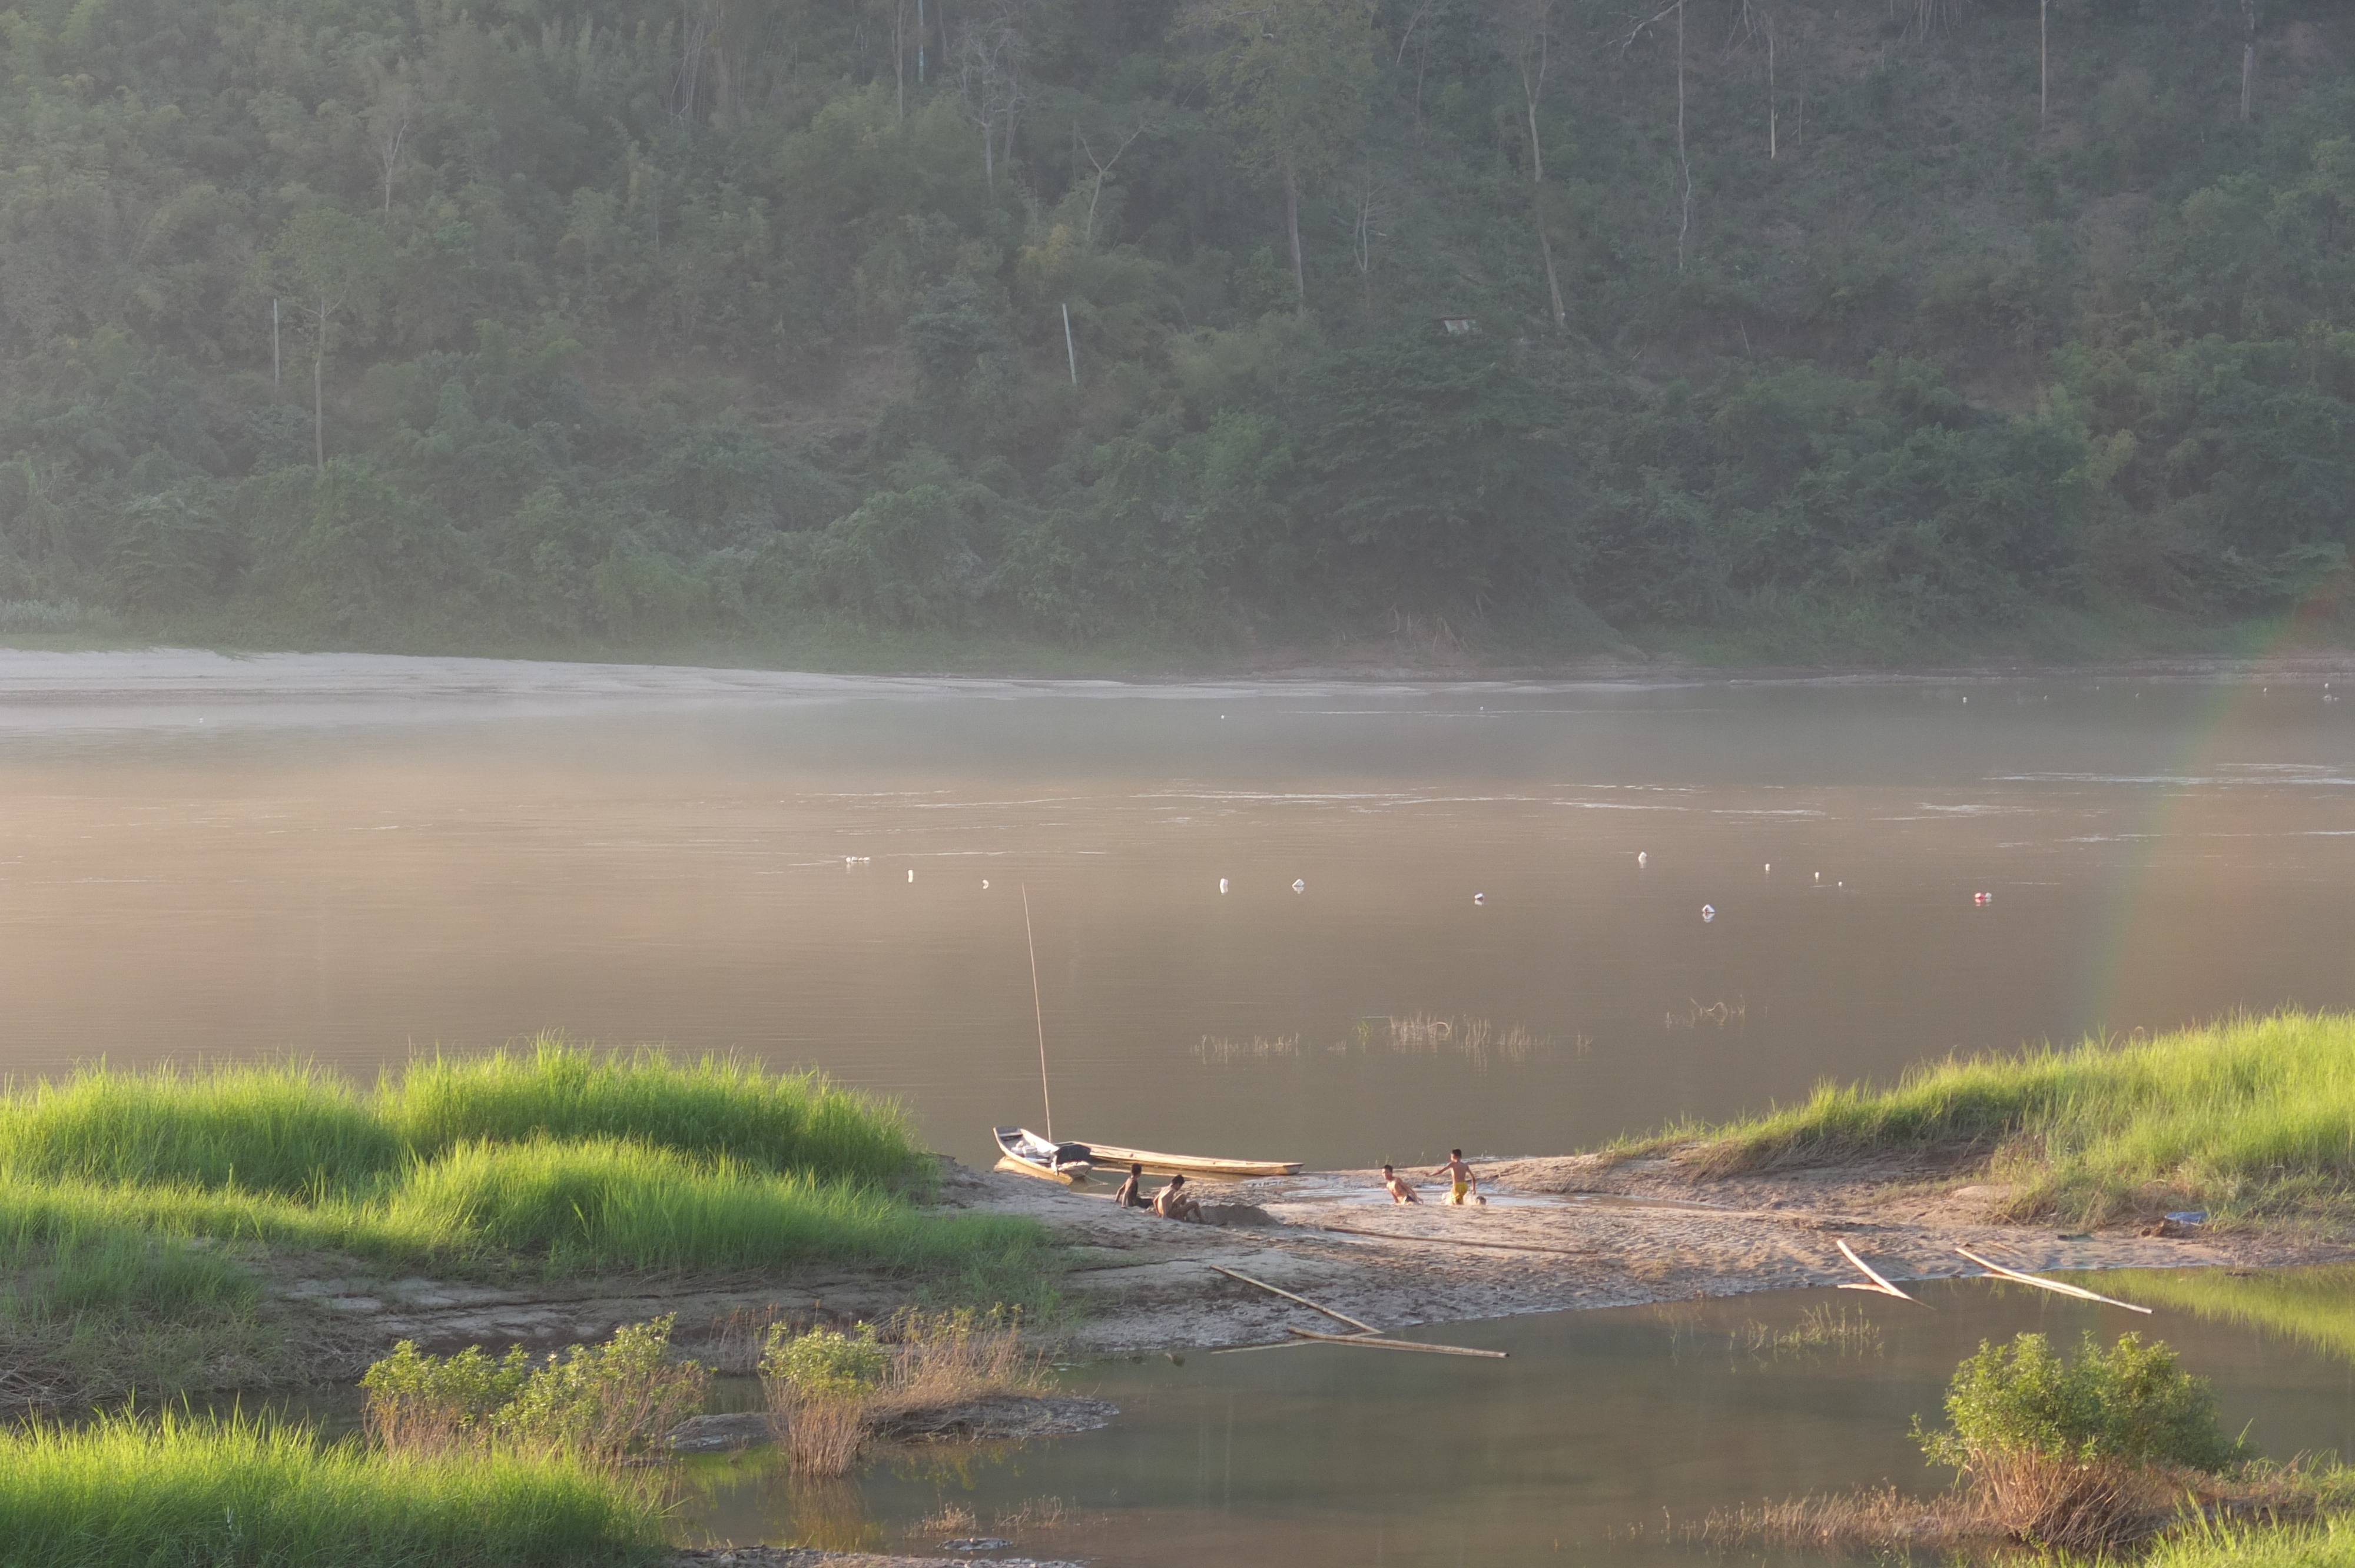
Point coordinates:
[(1476, 957), (1570, 1451)]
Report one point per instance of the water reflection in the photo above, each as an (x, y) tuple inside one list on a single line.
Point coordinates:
[(1602, 1427)]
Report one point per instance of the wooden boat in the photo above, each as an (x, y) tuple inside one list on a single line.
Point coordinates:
[(1020, 1149), (1110, 1155)]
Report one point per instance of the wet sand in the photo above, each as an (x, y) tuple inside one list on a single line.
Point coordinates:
[(1560, 1233)]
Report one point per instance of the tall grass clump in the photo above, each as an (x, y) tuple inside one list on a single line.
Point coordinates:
[(607, 1204), (288, 1128), (2327, 1542), (2248, 1116), (183, 1492), (771, 1121)]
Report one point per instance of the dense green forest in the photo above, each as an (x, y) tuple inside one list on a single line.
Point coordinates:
[(1830, 324)]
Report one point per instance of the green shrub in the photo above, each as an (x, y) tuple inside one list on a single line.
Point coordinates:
[(416, 1400), (590, 1402), (826, 1361), (2133, 1403)]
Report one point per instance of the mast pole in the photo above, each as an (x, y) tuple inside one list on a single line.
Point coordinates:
[(1039, 1012)]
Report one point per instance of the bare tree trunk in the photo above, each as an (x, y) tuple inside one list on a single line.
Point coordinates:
[(1292, 226), (899, 57), (1684, 164), (2043, 60), (318, 395), (1532, 90), (2248, 54), (1772, 106)]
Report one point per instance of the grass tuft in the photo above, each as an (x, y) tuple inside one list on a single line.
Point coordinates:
[(178, 1492), (2250, 1118), (711, 1106)]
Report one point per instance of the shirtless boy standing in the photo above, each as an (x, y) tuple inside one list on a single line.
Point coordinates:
[(1459, 1175), (1401, 1191)]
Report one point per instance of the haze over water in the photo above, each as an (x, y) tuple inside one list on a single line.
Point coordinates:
[(355, 880)]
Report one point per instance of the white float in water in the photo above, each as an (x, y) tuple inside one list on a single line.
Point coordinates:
[(1479, 898), (984, 884), (1223, 881), (1641, 857), (911, 873), (1299, 885), (1708, 913), (1982, 897)]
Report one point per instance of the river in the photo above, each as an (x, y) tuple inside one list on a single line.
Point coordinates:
[(1324, 922)]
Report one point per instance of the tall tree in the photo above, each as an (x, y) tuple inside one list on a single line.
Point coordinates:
[(1528, 27), (338, 265), (1290, 79)]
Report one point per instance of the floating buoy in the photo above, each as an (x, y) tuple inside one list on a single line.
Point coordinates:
[(911, 873), (1770, 868), (1966, 702), (1708, 913), (1820, 877), (1479, 898), (1641, 857), (984, 884), (1299, 885), (1982, 897), (1223, 881)]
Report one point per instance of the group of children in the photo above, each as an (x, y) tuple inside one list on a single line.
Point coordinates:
[(1174, 1202), (1461, 1183)]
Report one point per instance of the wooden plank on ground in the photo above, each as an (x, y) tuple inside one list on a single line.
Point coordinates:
[(1878, 1284), (1373, 1342), (2053, 1285), (1288, 1295)]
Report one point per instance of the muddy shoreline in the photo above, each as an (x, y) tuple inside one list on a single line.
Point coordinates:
[(1572, 1231)]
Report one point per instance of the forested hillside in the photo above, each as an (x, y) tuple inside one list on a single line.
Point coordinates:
[(1828, 324)]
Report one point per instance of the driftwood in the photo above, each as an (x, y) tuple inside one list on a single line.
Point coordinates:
[(1878, 1284), (1288, 1295), (1374, 1343), (2053, 1284)]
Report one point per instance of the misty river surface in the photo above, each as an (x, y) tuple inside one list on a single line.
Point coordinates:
[(1436, 931)]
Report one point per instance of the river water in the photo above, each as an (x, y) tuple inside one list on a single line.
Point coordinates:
[(1336, 923), (1604, 1440), (1475, 955)]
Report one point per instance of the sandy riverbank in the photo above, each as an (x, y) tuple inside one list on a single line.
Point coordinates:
[(1560, 1233)]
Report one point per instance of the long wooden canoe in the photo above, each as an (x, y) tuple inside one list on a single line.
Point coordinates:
[(1107, 1155), (1022, 1151)]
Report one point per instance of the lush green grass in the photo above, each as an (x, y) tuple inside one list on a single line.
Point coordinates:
[(295, 1129), (2324, 1543), (2254, 1117), (181, 1491), (791, 1121), (2313, 1306), (133, 1206)]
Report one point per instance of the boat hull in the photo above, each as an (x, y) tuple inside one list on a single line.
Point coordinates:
[(1022, 1151), (1109, 1154)]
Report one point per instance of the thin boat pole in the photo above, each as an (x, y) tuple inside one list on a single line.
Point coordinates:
[(1038, 1011)]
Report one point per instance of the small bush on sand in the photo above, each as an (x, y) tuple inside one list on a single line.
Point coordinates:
[(831, 1390), (593, 1402), (2077, 1454)]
